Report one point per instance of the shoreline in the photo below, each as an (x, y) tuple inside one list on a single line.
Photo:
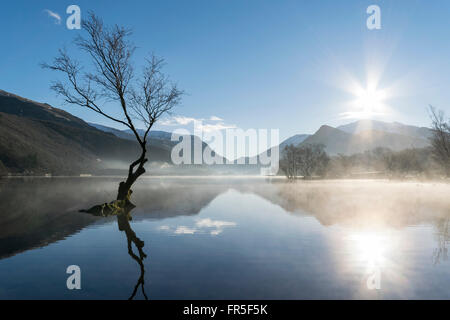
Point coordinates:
[(241, 177)]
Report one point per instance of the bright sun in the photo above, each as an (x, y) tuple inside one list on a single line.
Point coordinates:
[(369, 247), (368, 102)]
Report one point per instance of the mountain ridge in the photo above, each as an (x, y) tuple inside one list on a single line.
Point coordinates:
[(337, 141), (36, 138), (390, 127)]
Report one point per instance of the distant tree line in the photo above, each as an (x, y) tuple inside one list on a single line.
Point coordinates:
[(306, 161), (384, 162)]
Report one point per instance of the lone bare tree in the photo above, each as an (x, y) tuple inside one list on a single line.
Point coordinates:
[(440, 140), (143, 98)]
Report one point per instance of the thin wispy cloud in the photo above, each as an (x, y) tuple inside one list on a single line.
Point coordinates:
[(211, 124), (54, 15), (183, 121), (178, 121), (208, 129), (216, 127)]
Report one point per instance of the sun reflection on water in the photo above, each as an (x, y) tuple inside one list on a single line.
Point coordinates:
[(369, 250), (370, 247)]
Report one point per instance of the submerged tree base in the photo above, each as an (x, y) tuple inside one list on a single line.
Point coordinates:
[(113, 208)]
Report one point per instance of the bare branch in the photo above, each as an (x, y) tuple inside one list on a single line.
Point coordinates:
[(77, 94), (156, 95)]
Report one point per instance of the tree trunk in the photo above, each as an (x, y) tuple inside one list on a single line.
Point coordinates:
[(124, 191)]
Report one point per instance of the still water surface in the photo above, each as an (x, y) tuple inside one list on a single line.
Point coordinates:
[(238, 238)]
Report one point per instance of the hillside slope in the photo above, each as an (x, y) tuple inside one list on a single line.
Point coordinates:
[(36, 138), (31, 146)]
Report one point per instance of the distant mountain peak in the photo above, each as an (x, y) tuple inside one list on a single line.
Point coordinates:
[(329, 130), (360, 126), (326, 127)]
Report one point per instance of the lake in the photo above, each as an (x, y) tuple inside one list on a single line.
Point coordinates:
[(234, 238)]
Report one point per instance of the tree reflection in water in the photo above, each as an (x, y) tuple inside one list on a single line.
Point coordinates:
[(122, 210), (442, 227)]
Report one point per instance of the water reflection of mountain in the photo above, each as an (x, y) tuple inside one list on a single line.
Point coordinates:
[(368, 205), (37, 212), (168, 198), (360, 203)]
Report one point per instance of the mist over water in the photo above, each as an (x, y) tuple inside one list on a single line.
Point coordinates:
[(218, 238)]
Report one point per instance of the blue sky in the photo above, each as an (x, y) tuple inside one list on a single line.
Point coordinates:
[(255, 64)]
